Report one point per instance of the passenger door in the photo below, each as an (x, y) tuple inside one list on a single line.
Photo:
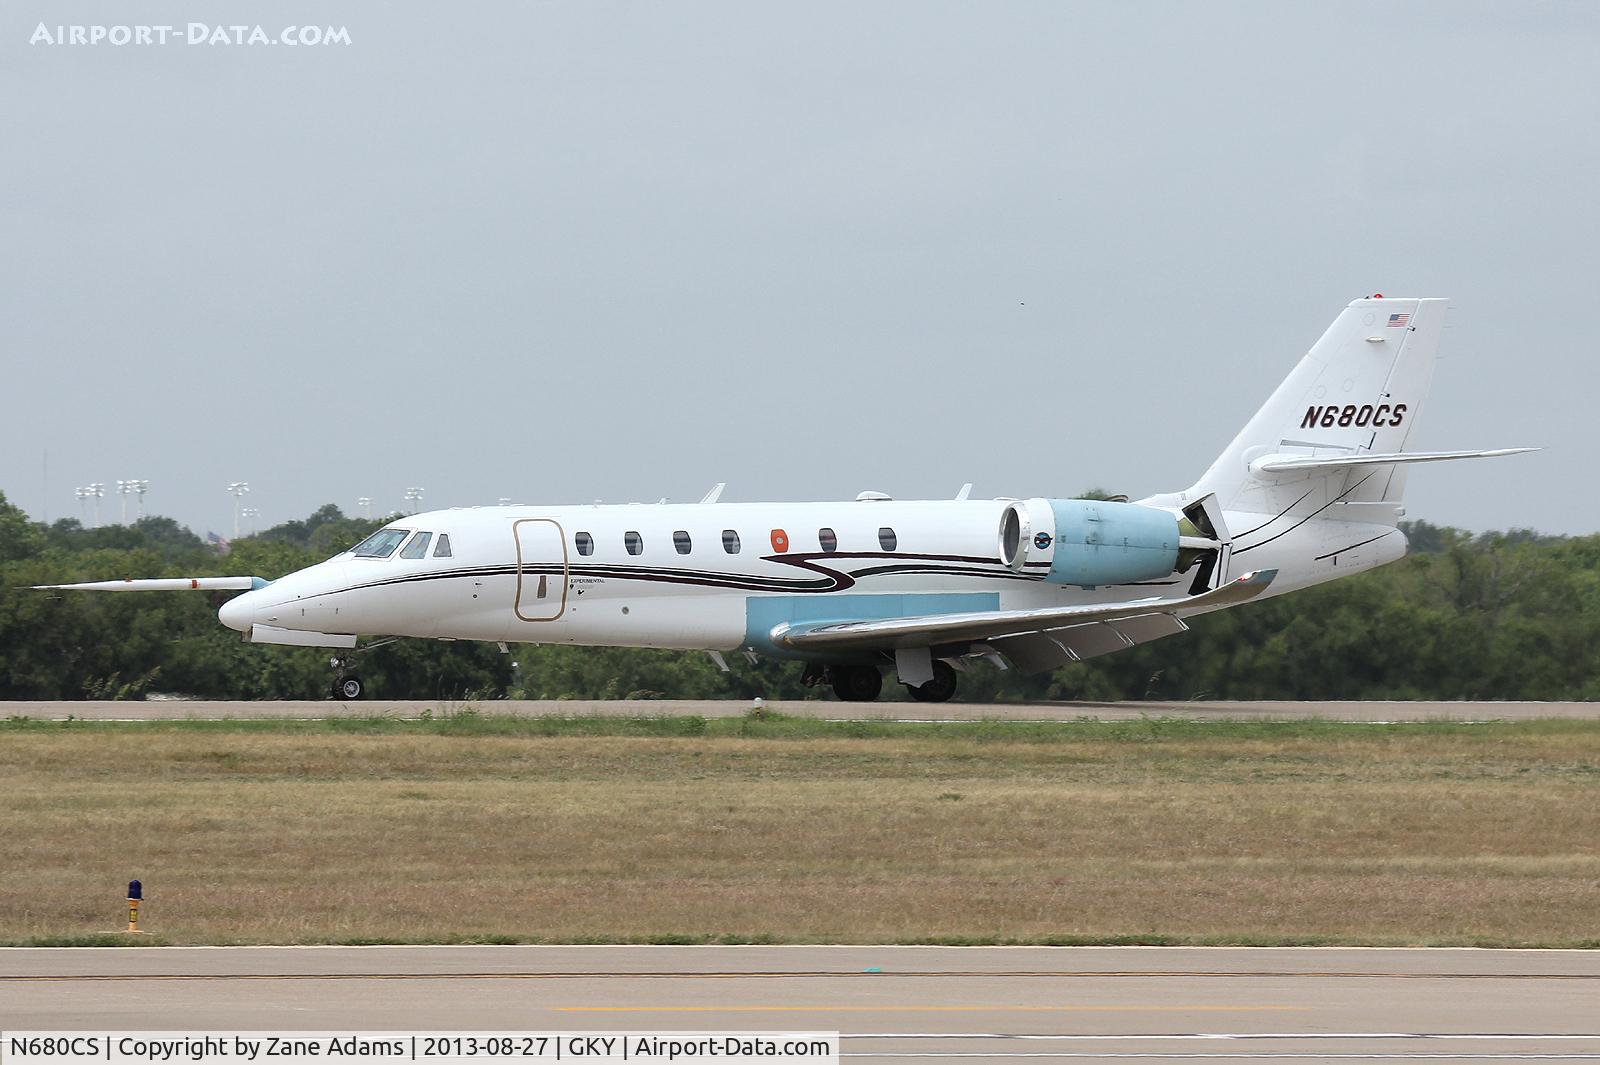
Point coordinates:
[(541, 569)]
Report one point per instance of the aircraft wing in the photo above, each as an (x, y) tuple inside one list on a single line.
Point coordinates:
[(1288, 463), (162, 584), (931, 629)]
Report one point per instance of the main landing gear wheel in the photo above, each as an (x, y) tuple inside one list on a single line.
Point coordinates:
[(937, 690), (856, 684), (346, 685)]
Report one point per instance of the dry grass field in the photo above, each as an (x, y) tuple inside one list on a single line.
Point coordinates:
[(777, 831)]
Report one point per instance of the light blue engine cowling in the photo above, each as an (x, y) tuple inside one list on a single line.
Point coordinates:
[(1089, 543)]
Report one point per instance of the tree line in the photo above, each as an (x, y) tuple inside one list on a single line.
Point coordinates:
[(1512, 615)]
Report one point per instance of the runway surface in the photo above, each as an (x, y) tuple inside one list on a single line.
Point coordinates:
[(821, 708), (975, 1003)]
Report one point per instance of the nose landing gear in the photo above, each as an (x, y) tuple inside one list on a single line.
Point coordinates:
[(346, 685)]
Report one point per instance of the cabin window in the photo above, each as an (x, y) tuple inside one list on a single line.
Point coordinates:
[(681, 541), (418, 547), (585, 543), (887, 539), (730, 541), (828, 540), (442, 548), (633, 542), (380, 544)]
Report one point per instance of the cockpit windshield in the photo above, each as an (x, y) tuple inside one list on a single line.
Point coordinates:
[(380, 544), (418, 547)]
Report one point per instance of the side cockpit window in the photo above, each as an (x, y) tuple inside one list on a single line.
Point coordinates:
[(418, 547), (442, 548), (380, 544)]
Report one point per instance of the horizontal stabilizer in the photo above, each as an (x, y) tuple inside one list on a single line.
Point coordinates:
[(930, 629), (164, 584), (1295, 463)]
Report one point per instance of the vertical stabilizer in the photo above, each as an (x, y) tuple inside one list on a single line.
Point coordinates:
[(1360, 389)]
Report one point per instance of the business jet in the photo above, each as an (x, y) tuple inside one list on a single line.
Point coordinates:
[(1309, 491)]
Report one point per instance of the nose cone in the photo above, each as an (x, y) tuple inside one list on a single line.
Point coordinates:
[(240, 611)]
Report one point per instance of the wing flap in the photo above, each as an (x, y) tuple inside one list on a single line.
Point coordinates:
[(1091, 640), (1034, 652), (1040, 652), (930, 629)]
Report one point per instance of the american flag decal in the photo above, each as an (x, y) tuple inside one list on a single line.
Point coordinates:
[(1399, 321)]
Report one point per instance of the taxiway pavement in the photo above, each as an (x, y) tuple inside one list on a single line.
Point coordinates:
[(821, 708), (975, 1003)]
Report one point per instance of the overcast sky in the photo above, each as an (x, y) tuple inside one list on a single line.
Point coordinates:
[(573, 251)]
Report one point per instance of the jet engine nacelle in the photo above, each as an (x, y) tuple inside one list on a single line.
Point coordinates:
[(1089, 542)]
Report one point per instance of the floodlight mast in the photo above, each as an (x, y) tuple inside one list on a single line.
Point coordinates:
[(365, 503), (414, 497), (132, 486), (237, 489), (96, 492)]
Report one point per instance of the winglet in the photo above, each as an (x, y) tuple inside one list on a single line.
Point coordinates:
[(1256, 579), (1241, 589)]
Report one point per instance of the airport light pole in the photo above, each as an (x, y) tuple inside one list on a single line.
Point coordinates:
[(96, 492), (365, 503), (505, 501), (414, 497), (237, 489), (131, 487), (83, 511), (252, 514)]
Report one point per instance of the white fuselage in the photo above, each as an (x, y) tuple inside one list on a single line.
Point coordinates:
[(720, 576), (1309, 490)]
